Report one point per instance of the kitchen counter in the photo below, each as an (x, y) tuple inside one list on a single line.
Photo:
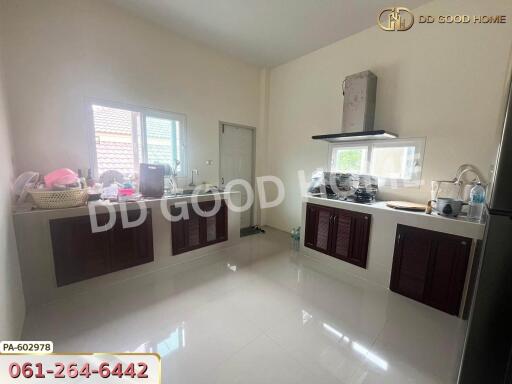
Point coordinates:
[(102, 206), (382, 236), (435, 222), (36, 252)]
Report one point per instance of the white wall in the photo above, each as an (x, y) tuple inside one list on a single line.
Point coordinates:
[(442, 82), (61, 52), (12, 304)]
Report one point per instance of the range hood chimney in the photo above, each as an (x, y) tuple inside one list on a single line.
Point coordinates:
[(360, 91)]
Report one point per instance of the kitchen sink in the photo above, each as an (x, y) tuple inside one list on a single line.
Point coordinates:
[(189, 192)]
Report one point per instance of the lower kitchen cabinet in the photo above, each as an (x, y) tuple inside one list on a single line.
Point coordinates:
[(198, 231), (338, 232), (318, 228), (132, 246), (79, 254), (430, 267)]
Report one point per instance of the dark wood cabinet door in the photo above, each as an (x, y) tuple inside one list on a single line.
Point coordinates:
[(79, 253), (178, 233), (193, 238), (411, 262), (222, 223), (448, 268), (311, 224), (339, 233), (186, 233), (198, 231), (352, 236), (131, 246), (430, 267), (318, 228), (215, 226), (343, 231)]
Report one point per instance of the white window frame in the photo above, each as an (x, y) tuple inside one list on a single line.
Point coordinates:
[(418, 143), (143, 111)]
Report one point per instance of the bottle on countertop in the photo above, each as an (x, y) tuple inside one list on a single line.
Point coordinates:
[(90, 180), (476, 202), (83, 183)]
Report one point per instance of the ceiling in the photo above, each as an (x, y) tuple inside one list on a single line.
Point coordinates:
[(263, 32)]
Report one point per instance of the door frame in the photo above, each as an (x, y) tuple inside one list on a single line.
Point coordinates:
[(253, 168)]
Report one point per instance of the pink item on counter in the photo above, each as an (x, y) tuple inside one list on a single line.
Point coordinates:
[(61, 176), (126, 191)]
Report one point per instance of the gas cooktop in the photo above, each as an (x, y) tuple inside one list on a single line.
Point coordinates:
[(350, 199)]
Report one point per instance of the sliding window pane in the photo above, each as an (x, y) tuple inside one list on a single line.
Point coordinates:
[(164, 141), (350, 159), (393, 162), (117, 135)]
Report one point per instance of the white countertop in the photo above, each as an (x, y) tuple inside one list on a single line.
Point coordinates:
[(435, 222), (150, 203)]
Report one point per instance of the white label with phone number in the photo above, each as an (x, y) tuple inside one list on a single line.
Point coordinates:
[(102, 368)]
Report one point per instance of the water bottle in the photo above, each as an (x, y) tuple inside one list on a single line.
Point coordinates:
[(295, 235), (476, 202)]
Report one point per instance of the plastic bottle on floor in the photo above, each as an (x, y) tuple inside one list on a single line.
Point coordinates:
[(295, 234)]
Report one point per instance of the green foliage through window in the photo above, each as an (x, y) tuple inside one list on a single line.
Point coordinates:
[(350, 160)]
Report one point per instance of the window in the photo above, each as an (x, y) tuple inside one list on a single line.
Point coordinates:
[(396, 162), (126, 137), (352, 159)]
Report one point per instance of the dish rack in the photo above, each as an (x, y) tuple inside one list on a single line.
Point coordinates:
[(59, 199), (456, 188)]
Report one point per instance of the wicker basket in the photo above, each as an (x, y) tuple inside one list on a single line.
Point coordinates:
[(59, 199)]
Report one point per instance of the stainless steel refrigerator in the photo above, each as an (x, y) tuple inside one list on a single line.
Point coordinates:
[(487, 355)]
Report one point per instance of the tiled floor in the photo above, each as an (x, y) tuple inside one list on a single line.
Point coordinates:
[(259, 313)]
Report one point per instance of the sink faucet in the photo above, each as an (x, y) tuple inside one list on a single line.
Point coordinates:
[(173, 175), (196, 172)]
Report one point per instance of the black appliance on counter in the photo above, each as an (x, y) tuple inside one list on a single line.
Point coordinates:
[(152, 180), (344, 186), (363, 196), (487, 355)]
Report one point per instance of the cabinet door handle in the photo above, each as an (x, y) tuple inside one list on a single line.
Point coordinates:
[(463, 242)]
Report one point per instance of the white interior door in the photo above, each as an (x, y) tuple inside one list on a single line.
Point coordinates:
[(236, 162)]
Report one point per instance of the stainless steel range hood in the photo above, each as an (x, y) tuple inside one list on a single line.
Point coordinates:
[(359, 92), (356, 136)]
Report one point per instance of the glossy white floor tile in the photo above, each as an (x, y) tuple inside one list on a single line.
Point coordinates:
[(262, 314)]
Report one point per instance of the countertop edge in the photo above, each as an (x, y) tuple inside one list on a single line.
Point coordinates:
[(84, 209), (434, 222)]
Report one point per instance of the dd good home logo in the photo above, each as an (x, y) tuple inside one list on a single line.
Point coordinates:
[(396, 19)]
